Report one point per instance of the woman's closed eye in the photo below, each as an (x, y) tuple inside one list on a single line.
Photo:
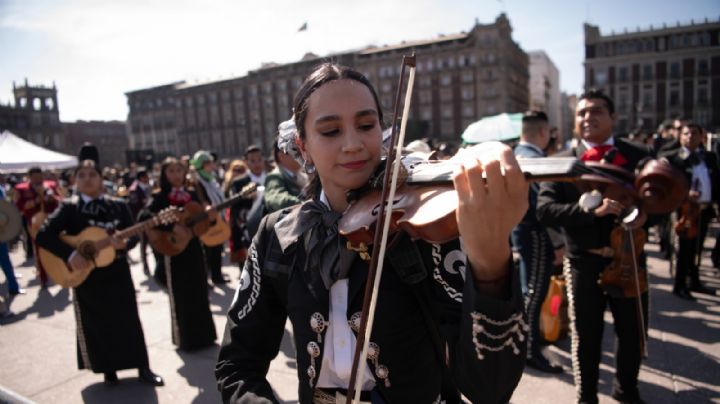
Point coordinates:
[(329, 131), (367, 126)]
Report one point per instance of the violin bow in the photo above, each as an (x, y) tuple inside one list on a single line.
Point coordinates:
[(639, 305), (381, 234)]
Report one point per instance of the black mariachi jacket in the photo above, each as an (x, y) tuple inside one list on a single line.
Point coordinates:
[(74, 216), (481, 336), (685, 165), (557, 205)]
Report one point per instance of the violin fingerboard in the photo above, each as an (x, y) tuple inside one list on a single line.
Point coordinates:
[(535, 169)]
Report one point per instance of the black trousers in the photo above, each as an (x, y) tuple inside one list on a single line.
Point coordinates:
[(213, 258), (689, 251), (536, 259), (587, 307)]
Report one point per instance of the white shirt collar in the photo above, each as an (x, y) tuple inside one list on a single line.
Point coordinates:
[(86, 198), (588, 145), (323, 198)]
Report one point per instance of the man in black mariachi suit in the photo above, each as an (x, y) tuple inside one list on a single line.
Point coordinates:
[(587, 234), (701, 170), (480, 338), (532, 242)]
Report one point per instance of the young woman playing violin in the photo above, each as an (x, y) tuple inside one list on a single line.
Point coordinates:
[(185, 273), (109, 334), (461, 325)]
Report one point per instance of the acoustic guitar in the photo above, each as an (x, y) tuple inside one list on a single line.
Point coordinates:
[(95, 244), (217, 233), (553, 313), (194, 221)]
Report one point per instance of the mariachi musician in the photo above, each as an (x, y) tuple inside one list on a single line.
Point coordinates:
[(447, 314), (587, 236), (109, 334), (185, 273), (702, 172), (35, 199), (209, 192)]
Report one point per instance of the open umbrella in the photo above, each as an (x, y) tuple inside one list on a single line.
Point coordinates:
[(499, 127)]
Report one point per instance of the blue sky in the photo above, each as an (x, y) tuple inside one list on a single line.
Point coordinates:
[(96, 50)]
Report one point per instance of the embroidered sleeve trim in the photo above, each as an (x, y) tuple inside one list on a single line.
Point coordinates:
[(490, 335), (251, 264), (437, 275)]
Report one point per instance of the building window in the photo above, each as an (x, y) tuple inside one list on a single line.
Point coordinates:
[(429, 65), (425, 96), (445, 95), (386, 87), (425, 81), (702, 95), (600, 77), (490, 109), (446, 111), (451, 62), (623, 74), (647, 72), (468, 93), (674, 70), (702, 67), (425, 113), (647, 99), (468, 111), (445, 79), (674, 98), (467, 77)]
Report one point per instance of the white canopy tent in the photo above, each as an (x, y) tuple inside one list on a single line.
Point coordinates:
[(17, 155)]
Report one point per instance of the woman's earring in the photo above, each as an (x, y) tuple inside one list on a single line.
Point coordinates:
[(309, 168)]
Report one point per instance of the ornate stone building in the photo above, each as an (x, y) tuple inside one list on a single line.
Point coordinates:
[(460, 78), (34, 115), (663, 72)]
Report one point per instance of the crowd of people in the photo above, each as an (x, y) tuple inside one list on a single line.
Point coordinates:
[(477, 327)]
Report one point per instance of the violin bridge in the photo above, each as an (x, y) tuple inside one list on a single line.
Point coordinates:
[(361, 249)]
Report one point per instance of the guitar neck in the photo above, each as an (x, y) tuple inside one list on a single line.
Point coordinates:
[(535, 169), (228, 202), (129, 232), (220, 206)]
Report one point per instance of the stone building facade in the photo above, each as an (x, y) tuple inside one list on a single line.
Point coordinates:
[(34, 116), (109, 137), (659, 73), (544, 86), (460, 78)]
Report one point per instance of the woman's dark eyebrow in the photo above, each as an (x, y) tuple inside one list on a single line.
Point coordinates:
[(327, 118), (359, 114), (367, 112)]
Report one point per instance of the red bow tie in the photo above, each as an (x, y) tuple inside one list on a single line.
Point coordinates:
[(179, 197), (598, 152)]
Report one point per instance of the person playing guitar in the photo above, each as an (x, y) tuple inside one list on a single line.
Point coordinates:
[(186, 272), (109, 333), (36, 199), (209, 192)]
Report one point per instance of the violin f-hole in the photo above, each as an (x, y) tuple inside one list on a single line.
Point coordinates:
[(376, 209)]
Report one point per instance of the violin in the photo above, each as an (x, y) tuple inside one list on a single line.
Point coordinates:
[(622, 277), (688, 223), (425, 201)]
